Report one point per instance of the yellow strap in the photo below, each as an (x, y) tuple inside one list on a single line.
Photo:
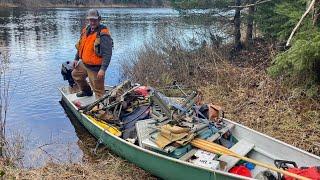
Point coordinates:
[(107, 127)]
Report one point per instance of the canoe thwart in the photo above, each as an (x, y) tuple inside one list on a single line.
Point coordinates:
[(242, 148)]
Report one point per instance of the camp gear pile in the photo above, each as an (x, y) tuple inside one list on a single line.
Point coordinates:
[(177, 120), (154, 121), (178, 127)]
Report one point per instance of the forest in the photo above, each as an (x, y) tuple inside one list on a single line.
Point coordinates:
[(291, 26), (84, 2)]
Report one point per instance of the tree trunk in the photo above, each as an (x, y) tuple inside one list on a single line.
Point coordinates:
[(249, 34), (237, 23), (315, 15)]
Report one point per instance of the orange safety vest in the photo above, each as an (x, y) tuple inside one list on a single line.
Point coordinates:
[(87, 45)]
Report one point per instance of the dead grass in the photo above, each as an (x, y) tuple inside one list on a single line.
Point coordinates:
[(240, 84), (7, 5), (112, 168), (252, 98), (102, 165)]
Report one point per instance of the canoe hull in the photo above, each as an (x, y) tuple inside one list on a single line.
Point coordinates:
[(158, 165)]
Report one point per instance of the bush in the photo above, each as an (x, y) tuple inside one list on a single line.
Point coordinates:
[(301, 63), (166, 60), (277, 18)]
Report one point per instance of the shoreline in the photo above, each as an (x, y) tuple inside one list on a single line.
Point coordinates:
[(12, 5)]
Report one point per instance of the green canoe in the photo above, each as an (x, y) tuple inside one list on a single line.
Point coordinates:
[(266, 149)]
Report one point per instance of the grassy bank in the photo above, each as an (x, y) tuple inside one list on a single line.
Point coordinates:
[(100, 165), (7, 5), (239, 83)]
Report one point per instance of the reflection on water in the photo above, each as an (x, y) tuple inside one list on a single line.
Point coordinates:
[(38, 42), (86, 142)]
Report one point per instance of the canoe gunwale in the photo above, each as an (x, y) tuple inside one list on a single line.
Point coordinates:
[(272, 139)]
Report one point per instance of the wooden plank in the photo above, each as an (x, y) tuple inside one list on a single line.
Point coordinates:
[(242, 148)]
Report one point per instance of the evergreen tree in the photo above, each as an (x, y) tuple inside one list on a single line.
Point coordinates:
[(300, 64), (277, 18)]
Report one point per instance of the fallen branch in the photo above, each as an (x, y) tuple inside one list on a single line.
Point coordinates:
[(49, 155), (300, 21), (250, 5)]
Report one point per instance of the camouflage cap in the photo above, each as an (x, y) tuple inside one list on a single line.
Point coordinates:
[(93, 14)]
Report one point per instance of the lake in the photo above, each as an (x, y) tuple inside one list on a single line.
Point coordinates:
[(38, 42)]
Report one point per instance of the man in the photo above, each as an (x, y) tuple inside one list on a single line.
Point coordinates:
[(95, 51)]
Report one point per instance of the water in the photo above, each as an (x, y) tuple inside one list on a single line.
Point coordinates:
[(38, 41)]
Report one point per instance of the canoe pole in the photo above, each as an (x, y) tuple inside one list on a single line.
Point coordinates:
[(218, 149)]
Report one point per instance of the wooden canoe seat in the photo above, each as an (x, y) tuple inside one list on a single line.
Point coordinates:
[(242, 148), (212, 138)]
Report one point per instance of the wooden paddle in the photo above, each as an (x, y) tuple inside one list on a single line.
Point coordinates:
[(218, 149)]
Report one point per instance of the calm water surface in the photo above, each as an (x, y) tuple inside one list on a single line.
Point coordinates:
[(38, 41)]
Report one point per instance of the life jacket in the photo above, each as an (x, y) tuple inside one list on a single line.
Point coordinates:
[(89, 45)]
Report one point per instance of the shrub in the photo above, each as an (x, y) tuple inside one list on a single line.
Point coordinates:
[(301, 63)]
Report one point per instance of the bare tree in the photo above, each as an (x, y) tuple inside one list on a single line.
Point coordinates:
[(316, 13), (249, 33), (237, 23), (4, 98)]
